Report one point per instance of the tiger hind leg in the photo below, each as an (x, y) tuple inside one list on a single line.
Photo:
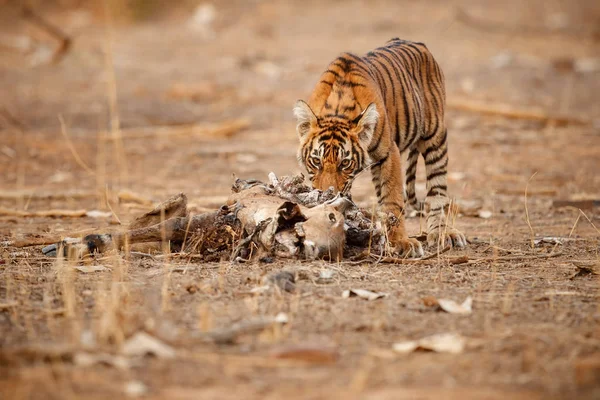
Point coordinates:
[(437, 202), (410, 194)]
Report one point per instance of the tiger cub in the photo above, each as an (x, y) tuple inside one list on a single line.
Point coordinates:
[(366, 111)]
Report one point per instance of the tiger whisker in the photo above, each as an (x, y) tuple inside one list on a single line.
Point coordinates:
[(348, 184)]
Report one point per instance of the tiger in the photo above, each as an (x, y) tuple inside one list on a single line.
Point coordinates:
[(366, 112)]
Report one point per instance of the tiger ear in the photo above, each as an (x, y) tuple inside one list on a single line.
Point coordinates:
[(305, 118), (366, 123)]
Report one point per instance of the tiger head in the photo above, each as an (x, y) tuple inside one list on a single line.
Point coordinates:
[(333, 149)]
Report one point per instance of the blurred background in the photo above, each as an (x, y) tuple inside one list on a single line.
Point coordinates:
[(116, 105), (164, 96)]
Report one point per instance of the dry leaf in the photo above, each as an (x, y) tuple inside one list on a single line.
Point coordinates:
[(362, 293), (406, 347), (86, 269), (281, 318), (260, 289), (583, 270), (98, 214), (135, 389), (485, 214), (325, 276), (548, 240), (452, 307), (584, 204), (142, 344), (313, 353), (439, 343), (430, 301)]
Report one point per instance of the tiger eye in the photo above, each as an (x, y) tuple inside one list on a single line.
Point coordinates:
[(346, 164)]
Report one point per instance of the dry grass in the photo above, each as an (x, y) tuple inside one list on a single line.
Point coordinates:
[(533, 330)]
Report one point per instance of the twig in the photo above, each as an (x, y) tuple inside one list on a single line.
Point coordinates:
[(509, 112), (396, 260), (527, 212), (111, 209), (590, 221), (348, 185), (437, 254), (516, 257), (580, 204), (112, 96), (63, 129), (45, 213), (52, 30), (459, 260)]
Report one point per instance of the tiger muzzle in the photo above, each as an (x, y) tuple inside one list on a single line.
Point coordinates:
[(327, 179)]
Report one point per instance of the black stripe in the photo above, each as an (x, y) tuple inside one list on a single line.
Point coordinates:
[(437, 189), (413, 124), (429, 137), (397, 70), (351, 84), (382, 160), (411, 171), (357, 153), (359, 63), (331, 135), (333, 73), (437, 158), (407, 62), (393, 87), (342, 64), (408, 121), (336, 115), (434, 175)]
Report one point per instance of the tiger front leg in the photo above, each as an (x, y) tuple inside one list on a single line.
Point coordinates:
[(437, 203), (387, 178)]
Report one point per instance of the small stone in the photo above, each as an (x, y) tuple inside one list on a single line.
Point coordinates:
[(135, 389)]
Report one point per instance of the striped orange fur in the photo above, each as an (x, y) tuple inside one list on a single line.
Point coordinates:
[(366, 111)]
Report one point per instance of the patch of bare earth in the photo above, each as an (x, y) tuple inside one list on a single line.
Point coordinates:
[(198, 103)]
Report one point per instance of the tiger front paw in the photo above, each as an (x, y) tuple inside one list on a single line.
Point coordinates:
[(447, 236), (407, 248)]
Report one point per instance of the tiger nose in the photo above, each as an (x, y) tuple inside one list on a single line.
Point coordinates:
[(330, 186), (328, 179)]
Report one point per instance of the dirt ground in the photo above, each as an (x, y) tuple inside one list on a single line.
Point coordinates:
[(199, 101)]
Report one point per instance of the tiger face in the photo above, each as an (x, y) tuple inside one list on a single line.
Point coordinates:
[(334, 149)]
